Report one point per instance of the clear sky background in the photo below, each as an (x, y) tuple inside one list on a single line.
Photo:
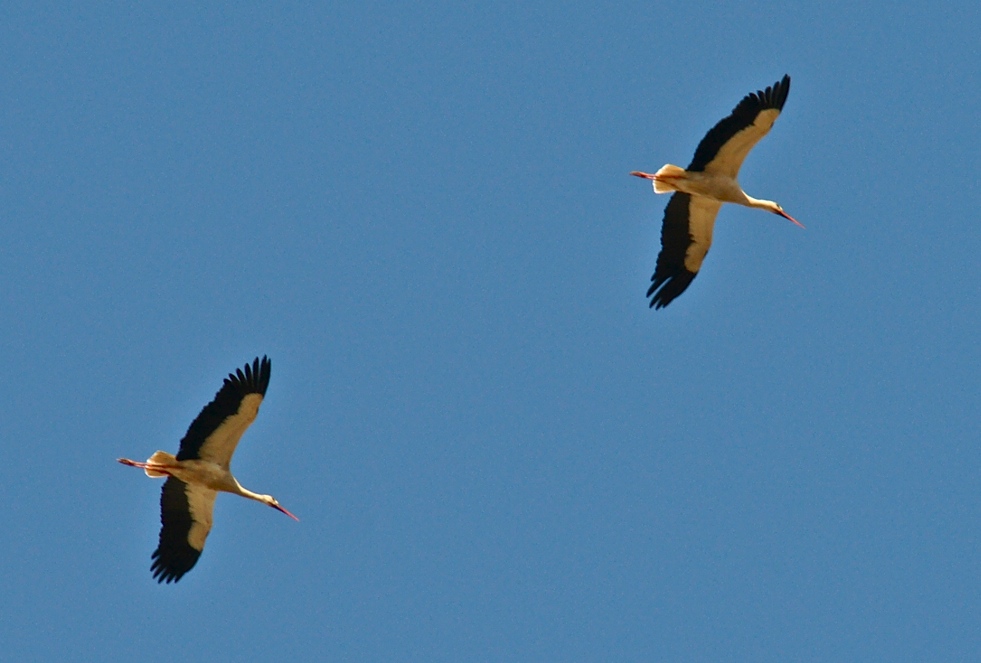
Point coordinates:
[(422, 213)]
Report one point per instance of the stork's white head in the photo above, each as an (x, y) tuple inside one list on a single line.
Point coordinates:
[(776, 209), (271, 501)]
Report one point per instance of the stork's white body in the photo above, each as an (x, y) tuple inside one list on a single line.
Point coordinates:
[(721, 188), (205, 473)]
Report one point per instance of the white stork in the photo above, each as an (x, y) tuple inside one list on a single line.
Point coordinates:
[(200, 471), (709, 181)]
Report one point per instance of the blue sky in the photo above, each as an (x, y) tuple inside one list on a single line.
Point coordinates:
[(423, 215)]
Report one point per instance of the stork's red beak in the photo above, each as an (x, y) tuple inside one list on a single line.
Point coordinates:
[(637, 173), (279, 508), (790, 218)]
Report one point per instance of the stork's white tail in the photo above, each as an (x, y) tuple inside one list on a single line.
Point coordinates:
[(159, 458), (663, 177)]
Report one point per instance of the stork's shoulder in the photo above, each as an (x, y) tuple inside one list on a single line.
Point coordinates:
[(720, 188), (204, 473)]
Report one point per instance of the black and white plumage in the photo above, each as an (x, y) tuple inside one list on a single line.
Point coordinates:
[(709, 181), (201, 469)]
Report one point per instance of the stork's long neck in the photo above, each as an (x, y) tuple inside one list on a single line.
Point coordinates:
[(268, 500), (768, 205), (245, 492)]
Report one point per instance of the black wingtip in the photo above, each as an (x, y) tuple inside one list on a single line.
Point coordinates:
[(775, 96), (665, 289), (254, 376)]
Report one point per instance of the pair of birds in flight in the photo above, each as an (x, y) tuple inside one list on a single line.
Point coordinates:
[(200, 470)]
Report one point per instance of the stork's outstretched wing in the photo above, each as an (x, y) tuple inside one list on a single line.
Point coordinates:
[(185, 518), (215, 433), (686, 236), (726, 145)]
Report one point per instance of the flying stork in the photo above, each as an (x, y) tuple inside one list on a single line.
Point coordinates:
[(709, 181), (200, 471)]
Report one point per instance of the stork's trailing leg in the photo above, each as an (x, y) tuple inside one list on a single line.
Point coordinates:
[(155, 466)]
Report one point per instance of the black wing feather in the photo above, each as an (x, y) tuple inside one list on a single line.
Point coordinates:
[(671, 278), (253, 379), (174, 556), (743, 115)]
